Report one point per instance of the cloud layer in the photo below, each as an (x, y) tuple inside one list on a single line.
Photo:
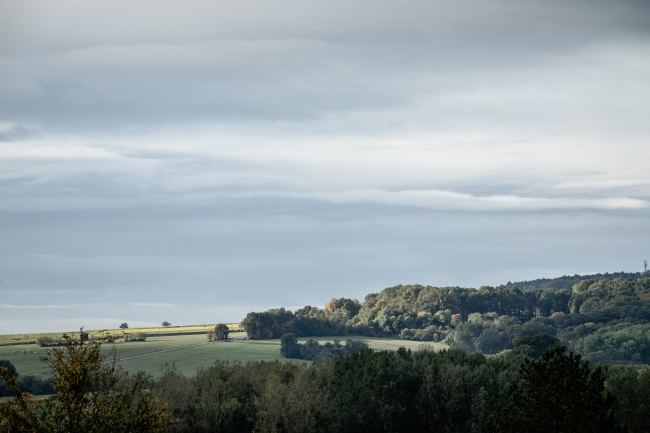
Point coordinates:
[(289, 153)]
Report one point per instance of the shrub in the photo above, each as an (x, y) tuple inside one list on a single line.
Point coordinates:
[(91, 396), (136, 336)]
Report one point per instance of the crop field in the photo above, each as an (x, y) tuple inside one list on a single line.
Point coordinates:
[(13, 339), (187, 352)]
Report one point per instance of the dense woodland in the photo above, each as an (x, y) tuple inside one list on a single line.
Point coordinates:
[(567, 282), (364, 391), (447, 391), (604, 320)]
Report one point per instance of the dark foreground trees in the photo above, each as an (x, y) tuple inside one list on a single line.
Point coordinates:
[(91, 396), (448, 391), (559, 392), (382, 391)]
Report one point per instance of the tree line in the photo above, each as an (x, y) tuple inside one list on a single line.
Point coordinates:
[(312, 350), (605, 320), (567, 282)]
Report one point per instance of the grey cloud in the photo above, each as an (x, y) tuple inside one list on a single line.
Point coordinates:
[(292, 152), (223, 62)]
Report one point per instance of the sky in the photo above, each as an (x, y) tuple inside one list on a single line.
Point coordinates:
[(195, 161)]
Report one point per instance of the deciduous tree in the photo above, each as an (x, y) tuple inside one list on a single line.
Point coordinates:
[(91, 396)]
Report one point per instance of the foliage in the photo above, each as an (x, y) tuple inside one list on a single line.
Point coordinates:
[(313, 351), (567, 281), (124, 325), (372, 391), (289, 347), (135, 336), (385, 391), (308, 321), (489, 320), (91, 396), (46, 341), (166, 323), (221, 332), (533, 344), (558, 392), (257, 396), (5, 391), (631, 390)]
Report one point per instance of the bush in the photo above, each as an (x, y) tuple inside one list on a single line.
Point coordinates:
[(136, 336), (48, 341), (166, 323)]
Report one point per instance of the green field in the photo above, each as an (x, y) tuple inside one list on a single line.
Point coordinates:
[(187, 360)]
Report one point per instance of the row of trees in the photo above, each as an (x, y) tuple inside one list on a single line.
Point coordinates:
[(567, 282), (307, 321), (312, 350)]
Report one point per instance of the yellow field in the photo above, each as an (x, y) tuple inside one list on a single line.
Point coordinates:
[(12, 339)]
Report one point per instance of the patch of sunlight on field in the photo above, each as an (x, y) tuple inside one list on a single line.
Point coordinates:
[(379, 343), (12, 339)]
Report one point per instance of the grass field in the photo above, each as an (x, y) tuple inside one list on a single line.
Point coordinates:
[(188, 359), (13, 339)]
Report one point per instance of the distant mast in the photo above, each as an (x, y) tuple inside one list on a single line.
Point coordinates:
[(645, 266)]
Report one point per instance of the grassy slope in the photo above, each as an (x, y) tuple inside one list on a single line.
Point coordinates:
[(187, 360)]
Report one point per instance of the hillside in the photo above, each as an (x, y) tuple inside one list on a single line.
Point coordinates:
[(567, 282), (607, 320)]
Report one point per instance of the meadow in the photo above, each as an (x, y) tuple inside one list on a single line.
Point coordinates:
[(152, 354)]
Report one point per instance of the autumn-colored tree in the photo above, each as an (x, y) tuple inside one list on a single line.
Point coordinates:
[(92, 395)]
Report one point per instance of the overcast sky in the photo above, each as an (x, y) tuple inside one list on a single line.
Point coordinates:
[(194, 161)]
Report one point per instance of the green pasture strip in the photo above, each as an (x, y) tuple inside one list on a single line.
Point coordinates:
[(188, 360), (17, 339), (129, 354), (378, 343), (25, 364)]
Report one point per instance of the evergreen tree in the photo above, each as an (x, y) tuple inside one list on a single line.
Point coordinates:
[(559, 392)]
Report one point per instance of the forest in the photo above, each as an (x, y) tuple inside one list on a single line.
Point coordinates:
[(605, 320), (363, 391), (533, 360)]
